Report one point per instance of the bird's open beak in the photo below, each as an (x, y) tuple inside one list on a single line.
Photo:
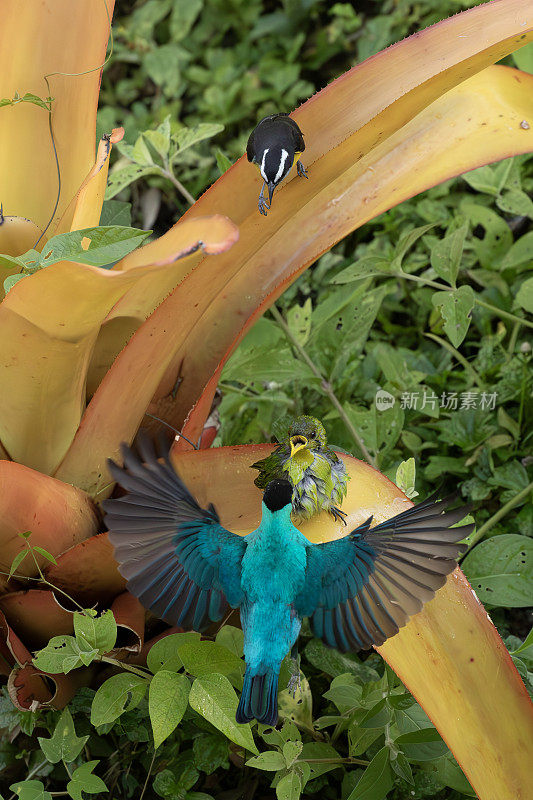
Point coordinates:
[(271, 187), (297, 443)]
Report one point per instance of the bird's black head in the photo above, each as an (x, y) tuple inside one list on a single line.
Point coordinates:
[(278, 494), (275, 163)]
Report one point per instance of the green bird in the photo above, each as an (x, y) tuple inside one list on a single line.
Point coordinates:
[(317, 474)]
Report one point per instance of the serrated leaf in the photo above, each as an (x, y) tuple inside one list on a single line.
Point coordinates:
[(188, 137), (84, 781), (214, 698), (119, 693), (500, 570), (167, 701), (455, 308), (95, 633), (119, 179), (63, 745), (164, 653)]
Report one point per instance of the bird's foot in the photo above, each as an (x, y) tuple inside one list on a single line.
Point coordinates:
[(337, 514), (302, 172), (295, 681), (263, 206)]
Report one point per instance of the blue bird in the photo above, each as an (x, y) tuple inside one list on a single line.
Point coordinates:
[(189, 570)]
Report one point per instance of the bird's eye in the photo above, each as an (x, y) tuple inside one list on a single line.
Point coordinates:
[(313, 434)]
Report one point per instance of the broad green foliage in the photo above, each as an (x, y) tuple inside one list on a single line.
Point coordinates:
[(424, 304), (100, 247)]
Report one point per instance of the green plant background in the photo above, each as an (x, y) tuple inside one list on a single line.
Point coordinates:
[(188, 81)]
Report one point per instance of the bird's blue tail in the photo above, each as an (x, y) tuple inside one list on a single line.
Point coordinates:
[(259, 698)]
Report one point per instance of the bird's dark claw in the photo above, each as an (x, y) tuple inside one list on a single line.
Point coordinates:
[(302, 172), (337, 514), (263, 204)]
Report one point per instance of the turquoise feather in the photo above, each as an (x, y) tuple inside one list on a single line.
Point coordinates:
[(189, 570)]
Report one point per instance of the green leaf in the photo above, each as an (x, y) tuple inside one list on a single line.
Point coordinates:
[(446, 254), (189, 137), (334, 663), (96, 633), (406, 241), (401, 767), (405, 477), (122, 177), (167, 701), (45, 554), (30, 790), (19, 558), (455, 308), (232, 639), (271, 761), (164, 653), (115, 212), (62, 654), (84, 781), (183, 18), (299, 321), (223, 162), (500, 570), (160, 138), (174, 785), (319, 750), (11, 280), (289, 787), (10, 263), (63, 745), (211, 751), (423, 745), (523, 58), (96, 246), (203, 658), (291, 751), (524, 296), (526, 645), (492, 236), (214, 698), (376, 782), (118, 694)]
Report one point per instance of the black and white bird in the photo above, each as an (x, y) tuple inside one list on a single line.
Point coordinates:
[(275, 144)]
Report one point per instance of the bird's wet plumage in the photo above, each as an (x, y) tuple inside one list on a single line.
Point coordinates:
[(188, 569), (275, 144), (317, 474)]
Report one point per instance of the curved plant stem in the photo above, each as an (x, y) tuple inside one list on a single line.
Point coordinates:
[(480, 533), (127, 667), (459, 357), (169, 174), (326, 386)]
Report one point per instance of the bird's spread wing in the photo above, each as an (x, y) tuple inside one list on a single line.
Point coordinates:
[(361, 589), (178, 559)]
